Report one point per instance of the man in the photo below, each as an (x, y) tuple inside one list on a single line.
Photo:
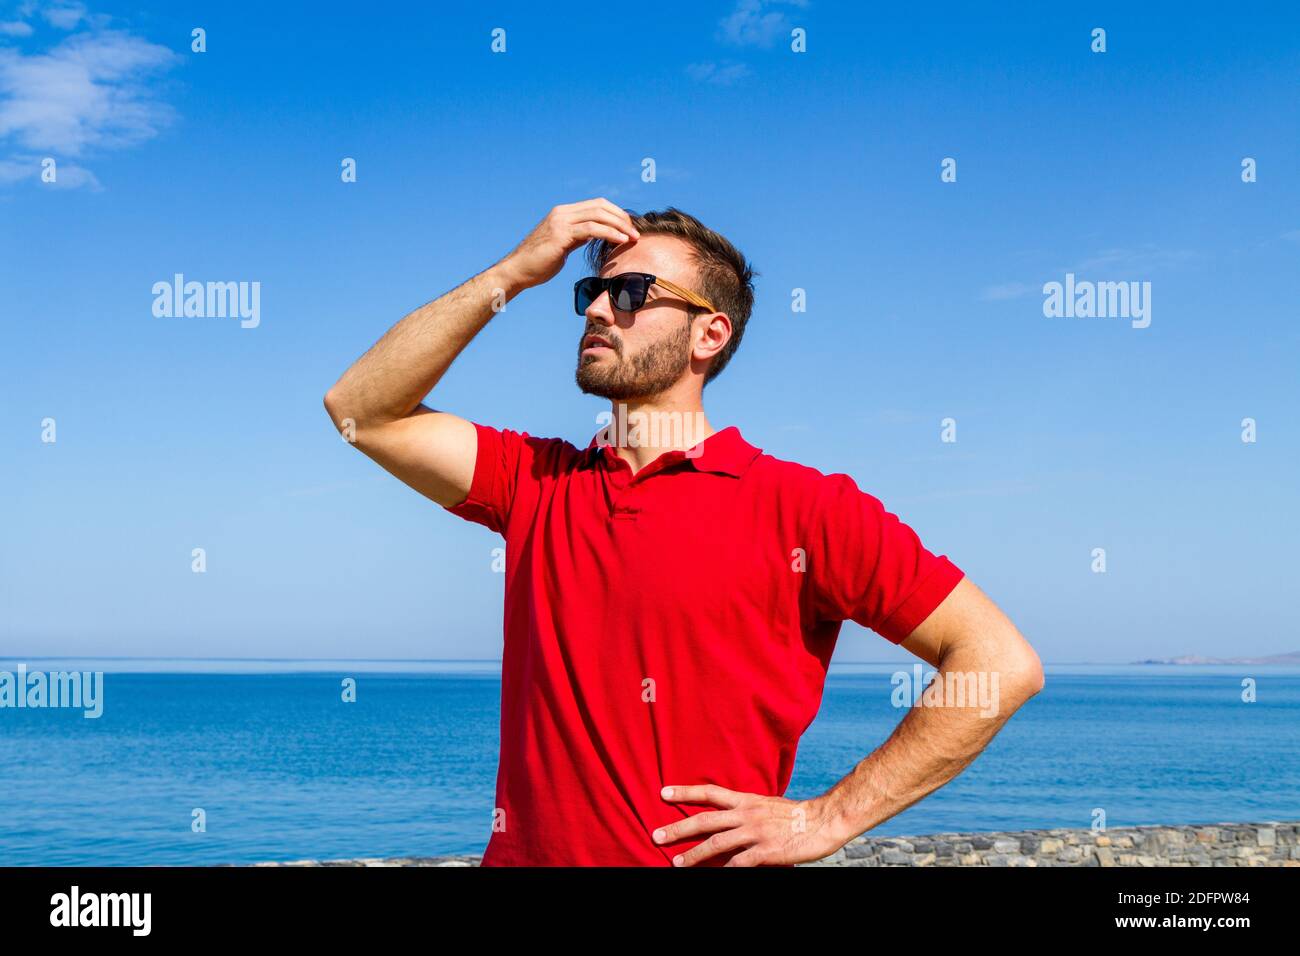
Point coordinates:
[(672, 600)]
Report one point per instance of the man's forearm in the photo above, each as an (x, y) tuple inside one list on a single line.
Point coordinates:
[(930, 746), (391, 379)]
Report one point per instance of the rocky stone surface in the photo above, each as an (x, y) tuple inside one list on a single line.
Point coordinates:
[(1217, 844)]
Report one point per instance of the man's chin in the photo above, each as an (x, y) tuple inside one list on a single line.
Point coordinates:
[(589, 384), (599, 389), (608, 382)]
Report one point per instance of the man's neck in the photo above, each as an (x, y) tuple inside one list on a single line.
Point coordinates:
[(640, 430)]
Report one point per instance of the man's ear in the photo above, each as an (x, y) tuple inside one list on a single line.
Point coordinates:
[(717, 323)]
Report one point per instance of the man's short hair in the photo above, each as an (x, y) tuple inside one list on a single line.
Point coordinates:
[(725, 278)]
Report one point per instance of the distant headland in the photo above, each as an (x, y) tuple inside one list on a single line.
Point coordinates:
[(1292, 658)]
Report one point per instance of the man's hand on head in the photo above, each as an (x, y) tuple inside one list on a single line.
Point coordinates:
[(542, 253)]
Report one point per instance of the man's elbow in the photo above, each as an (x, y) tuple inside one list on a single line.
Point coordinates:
[(1027, 673), (334, 406)]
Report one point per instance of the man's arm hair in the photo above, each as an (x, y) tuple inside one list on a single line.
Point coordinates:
[(966, 634), (377, 406)]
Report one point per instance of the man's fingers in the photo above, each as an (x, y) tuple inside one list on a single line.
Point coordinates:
[(621, 219), (619, 224), (718, 843), (620, 213), (588, 230), (704, 793), (708, 822), (751, 857), (597, 214)]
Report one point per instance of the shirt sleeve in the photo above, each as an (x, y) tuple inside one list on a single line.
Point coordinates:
[(866, 565), (503, 456)]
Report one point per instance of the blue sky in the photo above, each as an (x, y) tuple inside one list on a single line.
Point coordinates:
[(924, 299)]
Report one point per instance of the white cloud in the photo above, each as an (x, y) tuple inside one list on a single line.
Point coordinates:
[(13, 170), (1142, 259), (67, 175), (64, 15), (719, 74), (1008, 290), (757, 23), (1106, 264), (88, 92), (60, 14)]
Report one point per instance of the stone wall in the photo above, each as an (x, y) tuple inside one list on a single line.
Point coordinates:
[(1218, 844)]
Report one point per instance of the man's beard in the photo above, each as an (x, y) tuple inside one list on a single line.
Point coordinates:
[(654, 369)]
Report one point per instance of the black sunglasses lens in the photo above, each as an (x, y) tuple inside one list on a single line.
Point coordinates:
[(628, 292), (585, 292)]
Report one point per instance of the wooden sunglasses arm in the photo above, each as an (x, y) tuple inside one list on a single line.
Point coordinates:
[(686, 294)]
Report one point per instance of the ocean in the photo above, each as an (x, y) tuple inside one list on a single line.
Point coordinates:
[(282, 769)]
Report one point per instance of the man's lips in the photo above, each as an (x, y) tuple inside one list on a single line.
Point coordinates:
[(593, 342)]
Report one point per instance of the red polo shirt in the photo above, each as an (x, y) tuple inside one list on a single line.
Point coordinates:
[(670, 627)]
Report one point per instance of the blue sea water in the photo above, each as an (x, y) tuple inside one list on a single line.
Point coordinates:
[(284, 769)]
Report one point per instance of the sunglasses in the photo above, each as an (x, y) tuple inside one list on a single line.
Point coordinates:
[(628, 291)]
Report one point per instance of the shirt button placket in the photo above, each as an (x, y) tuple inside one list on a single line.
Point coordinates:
[(624, 499), (620, 488)]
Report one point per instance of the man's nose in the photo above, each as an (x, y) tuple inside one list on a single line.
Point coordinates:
[(601, 309)]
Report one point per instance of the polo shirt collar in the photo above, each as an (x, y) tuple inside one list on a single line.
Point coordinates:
[(725, 452)]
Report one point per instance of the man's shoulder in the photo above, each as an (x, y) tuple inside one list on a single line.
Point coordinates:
[(796, 482), (795, 473), (552, 447)]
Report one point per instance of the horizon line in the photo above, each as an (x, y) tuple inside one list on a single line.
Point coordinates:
[(444, 660)]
